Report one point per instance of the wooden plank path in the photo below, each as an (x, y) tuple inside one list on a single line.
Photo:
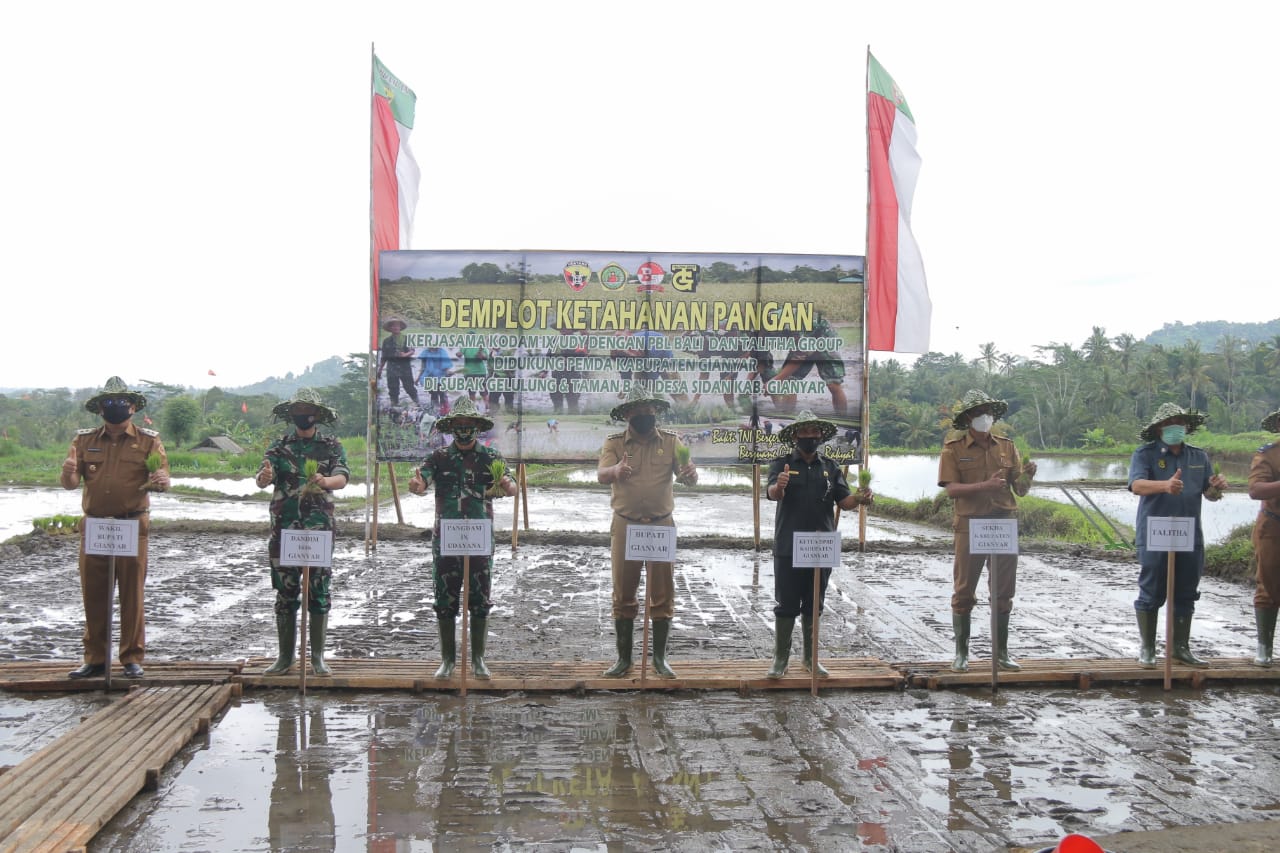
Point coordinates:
[(47, 676), (1084, 673), (578, 676), (60, 797)]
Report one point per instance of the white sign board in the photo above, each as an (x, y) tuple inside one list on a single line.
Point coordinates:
[(1171, 533), (306, 548), (815, 549), (652, 542), (463, 537), (993, 536), (111, 537)]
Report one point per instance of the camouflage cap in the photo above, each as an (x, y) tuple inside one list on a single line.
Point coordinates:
[(973, 398), (311, 397), (396, 322), (1169, 411), (638, 395), (805, 419), (463, 407), (115, 387), (1271, 423)]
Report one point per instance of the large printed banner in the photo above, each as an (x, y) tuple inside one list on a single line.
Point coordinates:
[(547, 344)]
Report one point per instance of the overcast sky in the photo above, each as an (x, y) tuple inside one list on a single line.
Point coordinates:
[(185, 186)]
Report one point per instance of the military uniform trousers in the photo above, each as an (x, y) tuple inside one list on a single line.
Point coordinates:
[(626, 575)]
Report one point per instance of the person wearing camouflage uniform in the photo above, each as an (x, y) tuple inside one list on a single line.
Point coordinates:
[(1264, 485), (396, 357), (111, 461), (799, 363), (302, 504), (462, 473)]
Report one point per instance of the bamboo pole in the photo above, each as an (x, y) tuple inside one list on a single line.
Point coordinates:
[(302, 660), (395, 492), (466, 620), (1170, 576)]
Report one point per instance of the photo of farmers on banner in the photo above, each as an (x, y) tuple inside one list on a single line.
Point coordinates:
[(547, 344)]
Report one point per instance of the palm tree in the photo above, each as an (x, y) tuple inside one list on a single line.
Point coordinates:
[(1097, 349), (988, 357), (1126, 347), (1194, 370)]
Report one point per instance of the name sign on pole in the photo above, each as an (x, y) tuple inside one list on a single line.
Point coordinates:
[(815, 550), (993, 536), (466, 537), (1166, 533), (111, 537), (306, 548), (653, 542)]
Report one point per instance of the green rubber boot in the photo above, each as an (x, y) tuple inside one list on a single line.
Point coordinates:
[(1147, 621), (781, 645), (806, 624), (316, 630), (1182, 642), (1266, 620), (478, 633), (624, 631), (1002, 639), (960, 625), (287, 634), (448, 647), (661, 633)]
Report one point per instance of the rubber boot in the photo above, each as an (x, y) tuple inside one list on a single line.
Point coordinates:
[(960, 626), (806, 624), (479, 628), (1266, 620), (1002, 639), (287, 634), (1182, 642), (661, 633), (781, 645), (1147, 621), (448, 647), (624, 630), (316, 630)]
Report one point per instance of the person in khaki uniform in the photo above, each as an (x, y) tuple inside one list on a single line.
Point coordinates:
[(640, 464), (1264, 485), (982, 472), (111, 462)]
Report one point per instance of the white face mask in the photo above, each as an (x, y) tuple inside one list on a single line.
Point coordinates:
[(982, 423)]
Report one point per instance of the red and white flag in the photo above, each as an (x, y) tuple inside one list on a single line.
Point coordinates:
[(898, 306), (394, 173)]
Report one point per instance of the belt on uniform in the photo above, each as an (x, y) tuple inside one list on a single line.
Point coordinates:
[(645, 519), (128, 515), (1272, 514)]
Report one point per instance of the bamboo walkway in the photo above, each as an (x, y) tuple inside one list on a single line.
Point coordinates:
[(1084, 673), (47, 676), (60, 797)]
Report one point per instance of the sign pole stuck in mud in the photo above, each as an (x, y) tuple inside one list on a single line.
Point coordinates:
[(993, 536), (465, 538), (1171, 534), (110, 537), (815, 550), (304, 549)]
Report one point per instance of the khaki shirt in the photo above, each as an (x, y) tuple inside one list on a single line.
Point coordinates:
[(114, 470), (1266, 469), (964, 460), (646, 495)]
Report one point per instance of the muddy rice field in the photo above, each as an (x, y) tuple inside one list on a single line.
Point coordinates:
[(876, 770)]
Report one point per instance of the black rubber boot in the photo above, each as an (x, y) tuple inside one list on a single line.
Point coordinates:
[(1002, 640), (1182, 642), (1147, 621), (479, 628), (624, 631), (1266, 620), (781, 645), (287, 634), (960, 626), (448, 647), (661, 633), (806, 625), (317, 628)]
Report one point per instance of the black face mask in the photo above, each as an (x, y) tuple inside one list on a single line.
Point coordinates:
[(115, 411), (304, 422), (464, 435), (644, 424), (807, 445)]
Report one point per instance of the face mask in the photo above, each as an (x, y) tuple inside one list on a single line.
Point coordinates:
[(1173, 434), (644, 424), (115, 411), (464, 435), (304, 422), (982, 423), (807, 445)]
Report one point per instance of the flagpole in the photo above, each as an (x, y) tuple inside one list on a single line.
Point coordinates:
[(866, 338), (370, 449)]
